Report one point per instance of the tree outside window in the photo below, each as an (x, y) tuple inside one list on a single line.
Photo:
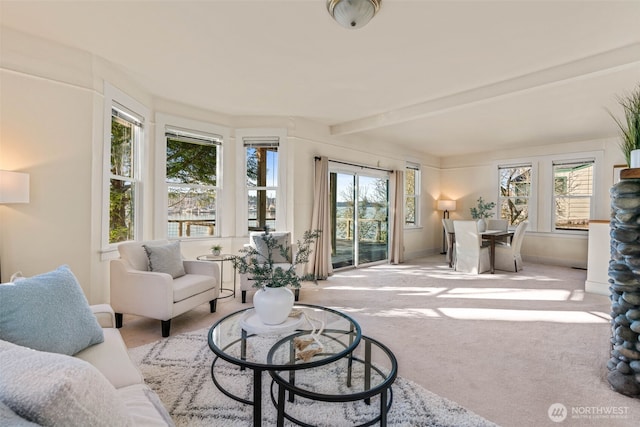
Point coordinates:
[(192, 183), (123, 181), (262, 181), (515, 192)]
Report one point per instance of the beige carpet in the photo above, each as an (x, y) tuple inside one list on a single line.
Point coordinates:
[(506, 346)]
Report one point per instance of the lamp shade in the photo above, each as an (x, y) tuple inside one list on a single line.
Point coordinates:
[(353, 13), (446, 205), (14, 187)]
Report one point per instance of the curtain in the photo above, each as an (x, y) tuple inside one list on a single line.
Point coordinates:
[(397, 217), (320, 261)]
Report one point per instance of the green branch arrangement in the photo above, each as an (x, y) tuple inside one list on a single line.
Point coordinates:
[(483, 210), (265, 272)]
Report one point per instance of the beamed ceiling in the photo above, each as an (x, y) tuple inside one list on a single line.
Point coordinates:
[(439, 77)]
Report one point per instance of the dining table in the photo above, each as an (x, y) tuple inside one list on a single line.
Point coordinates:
[(492, 236)]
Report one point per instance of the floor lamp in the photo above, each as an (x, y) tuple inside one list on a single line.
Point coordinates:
[(445, 206), (14, 188)]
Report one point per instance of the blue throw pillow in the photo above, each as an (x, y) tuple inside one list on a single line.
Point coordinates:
[(48, 312)]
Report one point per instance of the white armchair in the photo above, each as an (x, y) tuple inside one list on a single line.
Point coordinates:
[(471, 256), (508, 256), (256, 242), (144, 290)]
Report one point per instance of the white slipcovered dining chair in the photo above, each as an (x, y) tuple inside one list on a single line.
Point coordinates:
[(448, 231), (471, 256), (508, 256), (497, 224)]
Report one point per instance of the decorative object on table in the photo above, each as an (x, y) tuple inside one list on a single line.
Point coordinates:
[(273, 300), (216, 249), (445, 206), (251, 323), (630, 128), (482, 211), (308, 346)]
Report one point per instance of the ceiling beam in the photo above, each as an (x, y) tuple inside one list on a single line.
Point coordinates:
[(591, 66)]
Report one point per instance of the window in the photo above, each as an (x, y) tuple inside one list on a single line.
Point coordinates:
[(124, 173), (262, 181), (515, 193), (192, 180), (572, 194), (412, 195)]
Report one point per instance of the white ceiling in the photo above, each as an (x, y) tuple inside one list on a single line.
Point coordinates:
[(444, 77)]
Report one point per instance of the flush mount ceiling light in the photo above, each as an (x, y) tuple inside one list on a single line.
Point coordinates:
[(353, 13)]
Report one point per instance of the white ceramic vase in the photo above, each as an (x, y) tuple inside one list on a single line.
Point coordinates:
[(482, 225), (634, 159), (273, 305)]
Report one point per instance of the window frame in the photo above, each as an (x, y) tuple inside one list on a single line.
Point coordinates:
[(161, 217), (542, 211), (530, 197), (567, 161), (242, 201), (416, 195), (115, 98)]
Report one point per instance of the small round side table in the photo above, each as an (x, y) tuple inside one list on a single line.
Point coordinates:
[(222, 258)]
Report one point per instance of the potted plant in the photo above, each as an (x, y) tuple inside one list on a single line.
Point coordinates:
[(215, 249), (482, 211), (630, 127), (273, 278)]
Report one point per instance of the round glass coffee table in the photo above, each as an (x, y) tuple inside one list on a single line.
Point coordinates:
[(367, 372), (241, 340)]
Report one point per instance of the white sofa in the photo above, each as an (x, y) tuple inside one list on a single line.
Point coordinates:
[(134, 403)]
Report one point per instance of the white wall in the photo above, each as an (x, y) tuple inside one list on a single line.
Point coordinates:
[(46, 130), (51, 126)]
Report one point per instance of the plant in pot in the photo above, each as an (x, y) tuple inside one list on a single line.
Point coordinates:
[(630, 127), (216, 249), (482, 211), (272, 267)]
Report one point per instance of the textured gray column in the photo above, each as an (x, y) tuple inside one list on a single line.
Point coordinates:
[(624, 280)]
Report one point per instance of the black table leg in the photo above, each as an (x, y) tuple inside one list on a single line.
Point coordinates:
[(383, 408), (367, 368), (281, 402), (257, 398), (243, 348)]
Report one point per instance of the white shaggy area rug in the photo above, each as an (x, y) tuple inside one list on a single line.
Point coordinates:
[(178, 368)]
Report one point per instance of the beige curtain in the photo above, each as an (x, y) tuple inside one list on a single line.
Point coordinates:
[(320, 261), (397, 217)]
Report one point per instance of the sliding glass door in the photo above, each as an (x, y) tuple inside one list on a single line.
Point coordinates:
[(359, 217)]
